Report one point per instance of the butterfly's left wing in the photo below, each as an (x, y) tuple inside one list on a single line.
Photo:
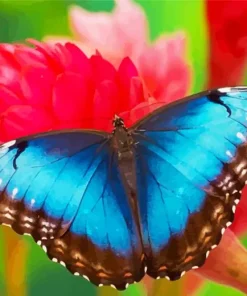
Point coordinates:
[(66, 191), (194, 155)]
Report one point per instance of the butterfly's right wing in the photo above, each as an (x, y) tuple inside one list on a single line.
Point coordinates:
[(66, 191), (193, 153)]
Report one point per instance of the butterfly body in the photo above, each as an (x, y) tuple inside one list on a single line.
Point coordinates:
[(122, 141), (154, 198)]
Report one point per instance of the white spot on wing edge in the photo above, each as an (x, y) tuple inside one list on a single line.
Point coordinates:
[(44, 248), (5, 224), (228, 153), (28, 219), (28, 234), (241, 136), (8, 144), (234, 89), (182, 273), (14, 192), (8, 216), (228, 224), (225, 89), (86, 277), (62, 263)]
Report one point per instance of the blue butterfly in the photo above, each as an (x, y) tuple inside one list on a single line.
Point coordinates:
[(154, 198)]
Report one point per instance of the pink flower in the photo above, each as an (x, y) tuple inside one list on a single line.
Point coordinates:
[(52, 87), (124, 33)]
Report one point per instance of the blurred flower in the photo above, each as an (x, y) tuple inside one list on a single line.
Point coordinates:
[(227, 264), (239, 226), (38, 84), (124, 33), (52, 87), (228, 41)]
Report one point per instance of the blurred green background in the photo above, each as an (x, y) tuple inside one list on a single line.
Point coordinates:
[(24, 268)]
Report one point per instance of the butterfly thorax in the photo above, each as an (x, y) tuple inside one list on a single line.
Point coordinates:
[(122, 144), (122, 140)]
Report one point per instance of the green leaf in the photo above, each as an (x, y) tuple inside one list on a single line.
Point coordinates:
[(106, 5), (45, 277), (135, 290), (32, 19), (210, 288)]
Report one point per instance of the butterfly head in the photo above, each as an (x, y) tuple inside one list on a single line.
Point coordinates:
[(117, 121)]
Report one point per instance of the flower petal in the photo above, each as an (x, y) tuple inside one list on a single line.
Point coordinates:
[(8, 98), (105, 105), (102, 69), (70, 98), (239, 225), (136, 93), (55, 56), (192, 283), (88, 51), (78, 61), (227, 264), (169, 79), (9, 68), (228, 41), (126, 72), (36, 84), (114, 34), (20, 121), (29, 56), (140, 111)]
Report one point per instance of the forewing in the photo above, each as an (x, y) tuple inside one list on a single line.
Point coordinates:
[(66, 191)]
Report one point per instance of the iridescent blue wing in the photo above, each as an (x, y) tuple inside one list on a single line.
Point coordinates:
[(66, 191), (194, 155)]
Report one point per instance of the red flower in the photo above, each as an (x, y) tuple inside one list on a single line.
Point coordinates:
[(228, 53), (53, 87), (228, 41)]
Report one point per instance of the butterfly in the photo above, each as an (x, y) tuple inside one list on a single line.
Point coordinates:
[(154, 198)]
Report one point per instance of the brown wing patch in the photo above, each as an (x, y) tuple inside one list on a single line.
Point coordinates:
[(24, 220), (78, 254), (101, 267)]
